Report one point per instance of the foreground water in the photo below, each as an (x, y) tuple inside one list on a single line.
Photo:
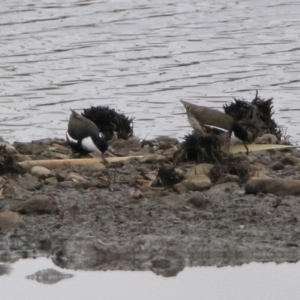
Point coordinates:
[(252, 281), (142, 57)]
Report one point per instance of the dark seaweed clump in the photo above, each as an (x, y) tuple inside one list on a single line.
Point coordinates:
[(8, 164), (202, 148), (231, 165), (255, 116), (167, 176), (110, 121)]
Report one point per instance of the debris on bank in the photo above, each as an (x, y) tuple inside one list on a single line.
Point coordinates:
[(110, 121), (255, 116), (8, 163)]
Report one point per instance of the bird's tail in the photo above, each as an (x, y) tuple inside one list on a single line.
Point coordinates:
[(184, 103)]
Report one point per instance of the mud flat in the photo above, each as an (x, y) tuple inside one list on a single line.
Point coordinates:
[(151, 211)]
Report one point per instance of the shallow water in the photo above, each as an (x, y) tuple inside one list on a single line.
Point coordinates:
[(252, 281), (142, 57)]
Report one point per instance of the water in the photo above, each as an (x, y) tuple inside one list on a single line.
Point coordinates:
[(142, 57), (250, 281)]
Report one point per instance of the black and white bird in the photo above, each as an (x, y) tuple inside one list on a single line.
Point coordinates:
[(209, 120), (84, 137)]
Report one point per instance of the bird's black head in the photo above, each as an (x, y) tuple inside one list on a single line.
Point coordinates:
[(100, 143), (239, 131)]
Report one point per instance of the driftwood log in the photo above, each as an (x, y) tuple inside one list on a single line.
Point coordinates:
[(57, 163)]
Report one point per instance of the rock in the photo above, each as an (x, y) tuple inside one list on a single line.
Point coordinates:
[(220, 190), (266, 139), (60, 149), (40, 171), (52, 155), (164, 142), (21, 157), (99, 167), (2, 181), (195, 183), (199, 200), (290, 160), (5, 269), (9, 147), (279, 187), (12, 188), (76, 177), (151, 176), (29, 182), (198, 170), (136, 194), (38, 204), (33, 148), (152, 158), (169, 153), (51, 180), (231, 178), (124, 147), (60, 175), (259, 170), (277, 166), (9, 220)]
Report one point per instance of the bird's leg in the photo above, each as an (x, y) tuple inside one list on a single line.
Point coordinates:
[(228, 140), (244, 143), (105, 161)]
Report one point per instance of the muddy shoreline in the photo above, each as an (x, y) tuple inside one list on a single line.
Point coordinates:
[(95, 217)]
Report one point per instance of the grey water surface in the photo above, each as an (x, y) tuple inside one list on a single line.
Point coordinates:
[(142, 57), (250, 281)]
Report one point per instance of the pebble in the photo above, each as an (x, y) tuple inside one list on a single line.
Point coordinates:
[(40, 171)]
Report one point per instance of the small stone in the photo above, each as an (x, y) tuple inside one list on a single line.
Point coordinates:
[(231, 178), (136, 194), (29, 182), (9, 219), (279, 187), (2, 181), (277, 166), (198, 170), (40, 171), (195, 183), (152, 158), (290, 160), (266, 139), (8, 146), (259, 170), (12, 188), (38, 204), (199, 200), (219, 190), (76, 177), (60, 175), (51, 180), (97, 167)]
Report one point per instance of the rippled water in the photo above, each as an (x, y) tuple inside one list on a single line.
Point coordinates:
[(142, 57)]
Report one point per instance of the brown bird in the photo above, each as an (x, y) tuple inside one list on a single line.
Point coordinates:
[(208, 120)]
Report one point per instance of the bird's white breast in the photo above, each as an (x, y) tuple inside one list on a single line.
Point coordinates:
[(88, 145)]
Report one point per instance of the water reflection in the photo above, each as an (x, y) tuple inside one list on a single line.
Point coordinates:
[(251, 281), (143, 57)]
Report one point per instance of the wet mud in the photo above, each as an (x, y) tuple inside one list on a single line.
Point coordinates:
[(124, 216)]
